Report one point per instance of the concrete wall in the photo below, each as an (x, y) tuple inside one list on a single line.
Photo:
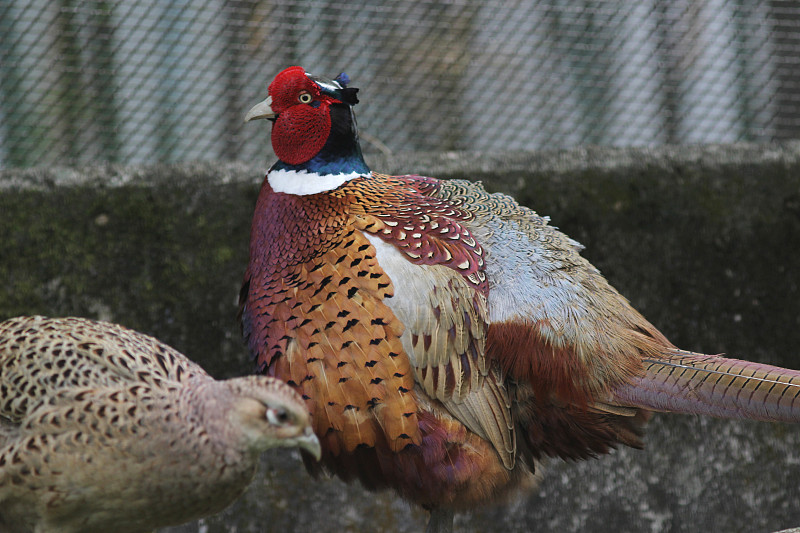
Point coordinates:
[(703, 240)]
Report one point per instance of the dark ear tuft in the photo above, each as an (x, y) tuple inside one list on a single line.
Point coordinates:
[(349, 95)]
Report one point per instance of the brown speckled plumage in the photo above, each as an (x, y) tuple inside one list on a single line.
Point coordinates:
[(106, 429)]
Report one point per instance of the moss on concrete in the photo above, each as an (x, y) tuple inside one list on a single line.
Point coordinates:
[(703, 240), (162, 252)]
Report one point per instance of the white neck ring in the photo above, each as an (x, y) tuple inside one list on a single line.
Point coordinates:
[(302, 182)]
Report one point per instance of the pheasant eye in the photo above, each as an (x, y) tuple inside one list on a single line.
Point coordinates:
[(305, 98), (277, 417)]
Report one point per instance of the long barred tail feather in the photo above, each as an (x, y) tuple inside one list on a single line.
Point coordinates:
[(686, 382)]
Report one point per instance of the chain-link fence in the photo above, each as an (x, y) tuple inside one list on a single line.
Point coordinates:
[(138, 81)]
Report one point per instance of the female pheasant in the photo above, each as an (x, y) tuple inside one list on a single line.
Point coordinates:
[(105, 429), (446, 339)]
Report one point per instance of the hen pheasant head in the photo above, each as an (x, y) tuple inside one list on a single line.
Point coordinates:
[(271, 414), (313, 131)]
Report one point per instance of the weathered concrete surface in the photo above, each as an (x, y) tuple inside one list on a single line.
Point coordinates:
[(705, 241)]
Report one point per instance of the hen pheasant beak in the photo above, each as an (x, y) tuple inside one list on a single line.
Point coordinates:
[(309, 441), (261, 110)]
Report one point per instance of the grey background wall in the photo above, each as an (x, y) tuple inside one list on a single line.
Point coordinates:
[(703, 240)]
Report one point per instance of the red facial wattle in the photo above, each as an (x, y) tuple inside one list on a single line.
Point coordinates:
[(300, 132), (301, 128)]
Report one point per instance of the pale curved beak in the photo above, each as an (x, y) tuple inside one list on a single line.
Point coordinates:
[(260, 110), (309, 441)]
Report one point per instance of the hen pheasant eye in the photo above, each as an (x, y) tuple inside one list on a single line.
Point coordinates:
[(277, 416), (305, 98)]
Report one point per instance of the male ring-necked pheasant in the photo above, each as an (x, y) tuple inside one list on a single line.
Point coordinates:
[(445, 339)]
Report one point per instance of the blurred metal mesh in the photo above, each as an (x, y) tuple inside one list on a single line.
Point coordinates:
[(138, 81)]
